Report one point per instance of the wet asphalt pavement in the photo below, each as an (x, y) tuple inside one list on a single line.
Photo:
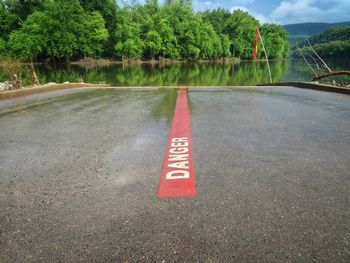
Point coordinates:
[(80, 171)]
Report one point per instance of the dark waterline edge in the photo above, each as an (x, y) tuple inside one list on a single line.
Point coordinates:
[(47, 88)]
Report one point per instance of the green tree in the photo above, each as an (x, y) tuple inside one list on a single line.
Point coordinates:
[(241, 28), (24, 8), (191, 39), (65, 27), (218, 18), (95, 34), (62, 30), (169, 41), (30, 40), (71, 29), (208, 42), (8, 22), (108, 9), (129, 44), (153, 43), (225, 43), (275, 40), (179, 18), (2, 45)]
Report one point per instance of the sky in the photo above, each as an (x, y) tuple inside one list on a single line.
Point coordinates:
[(285, 11)]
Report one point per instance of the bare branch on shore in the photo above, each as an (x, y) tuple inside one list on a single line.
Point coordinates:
[(333, 73)]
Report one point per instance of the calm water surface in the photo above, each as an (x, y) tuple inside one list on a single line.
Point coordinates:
[(190, 74)]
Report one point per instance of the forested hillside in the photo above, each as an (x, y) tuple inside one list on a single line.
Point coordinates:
[(64, 30), (334, 43), (333, 34), (298, 33), (311, 28)]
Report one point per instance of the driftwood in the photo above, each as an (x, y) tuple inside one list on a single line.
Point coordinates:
[(333, 73), (316, 68), (35, 79), (323, 63), (301, 53)]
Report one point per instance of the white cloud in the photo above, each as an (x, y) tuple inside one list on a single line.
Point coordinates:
[(202, 5), (262, 19), (300, 10), (243, 2), (297, 11)]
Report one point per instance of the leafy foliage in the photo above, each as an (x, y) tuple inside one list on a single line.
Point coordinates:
[(333, 34), (8, 22), (218, 18), (334, 43), (128, 33), (276, 42), (241, 30), (108, 9), (240, 27), (2, 45), (95, 34), (71, 29), (29, 41), (23, 8), (63, 30)]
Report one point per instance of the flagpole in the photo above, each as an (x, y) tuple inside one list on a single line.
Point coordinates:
[(267, 60)]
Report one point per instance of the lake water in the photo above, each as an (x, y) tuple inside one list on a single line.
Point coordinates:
[(189, 74)]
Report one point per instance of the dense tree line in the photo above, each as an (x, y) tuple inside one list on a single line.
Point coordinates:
[(334, 43), (58, 30), (333, 34), (240, 28)]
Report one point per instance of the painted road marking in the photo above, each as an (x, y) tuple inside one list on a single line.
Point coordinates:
[(177, 177)]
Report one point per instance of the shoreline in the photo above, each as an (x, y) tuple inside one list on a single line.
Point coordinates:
[(309, 85), (30, 90), (107, 62)]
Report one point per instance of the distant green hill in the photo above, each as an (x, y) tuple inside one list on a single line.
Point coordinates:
[(311, 28), (298, 33), (332, 34), (333, 43)]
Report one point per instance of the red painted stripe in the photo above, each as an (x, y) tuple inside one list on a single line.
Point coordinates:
[(177, 177)]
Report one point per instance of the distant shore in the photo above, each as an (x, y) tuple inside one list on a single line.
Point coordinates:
[(107, 62)]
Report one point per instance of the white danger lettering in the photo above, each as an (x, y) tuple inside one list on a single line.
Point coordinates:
[(177, 174), (182, 165), (179, 144), (179, 159), (178, 150)]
